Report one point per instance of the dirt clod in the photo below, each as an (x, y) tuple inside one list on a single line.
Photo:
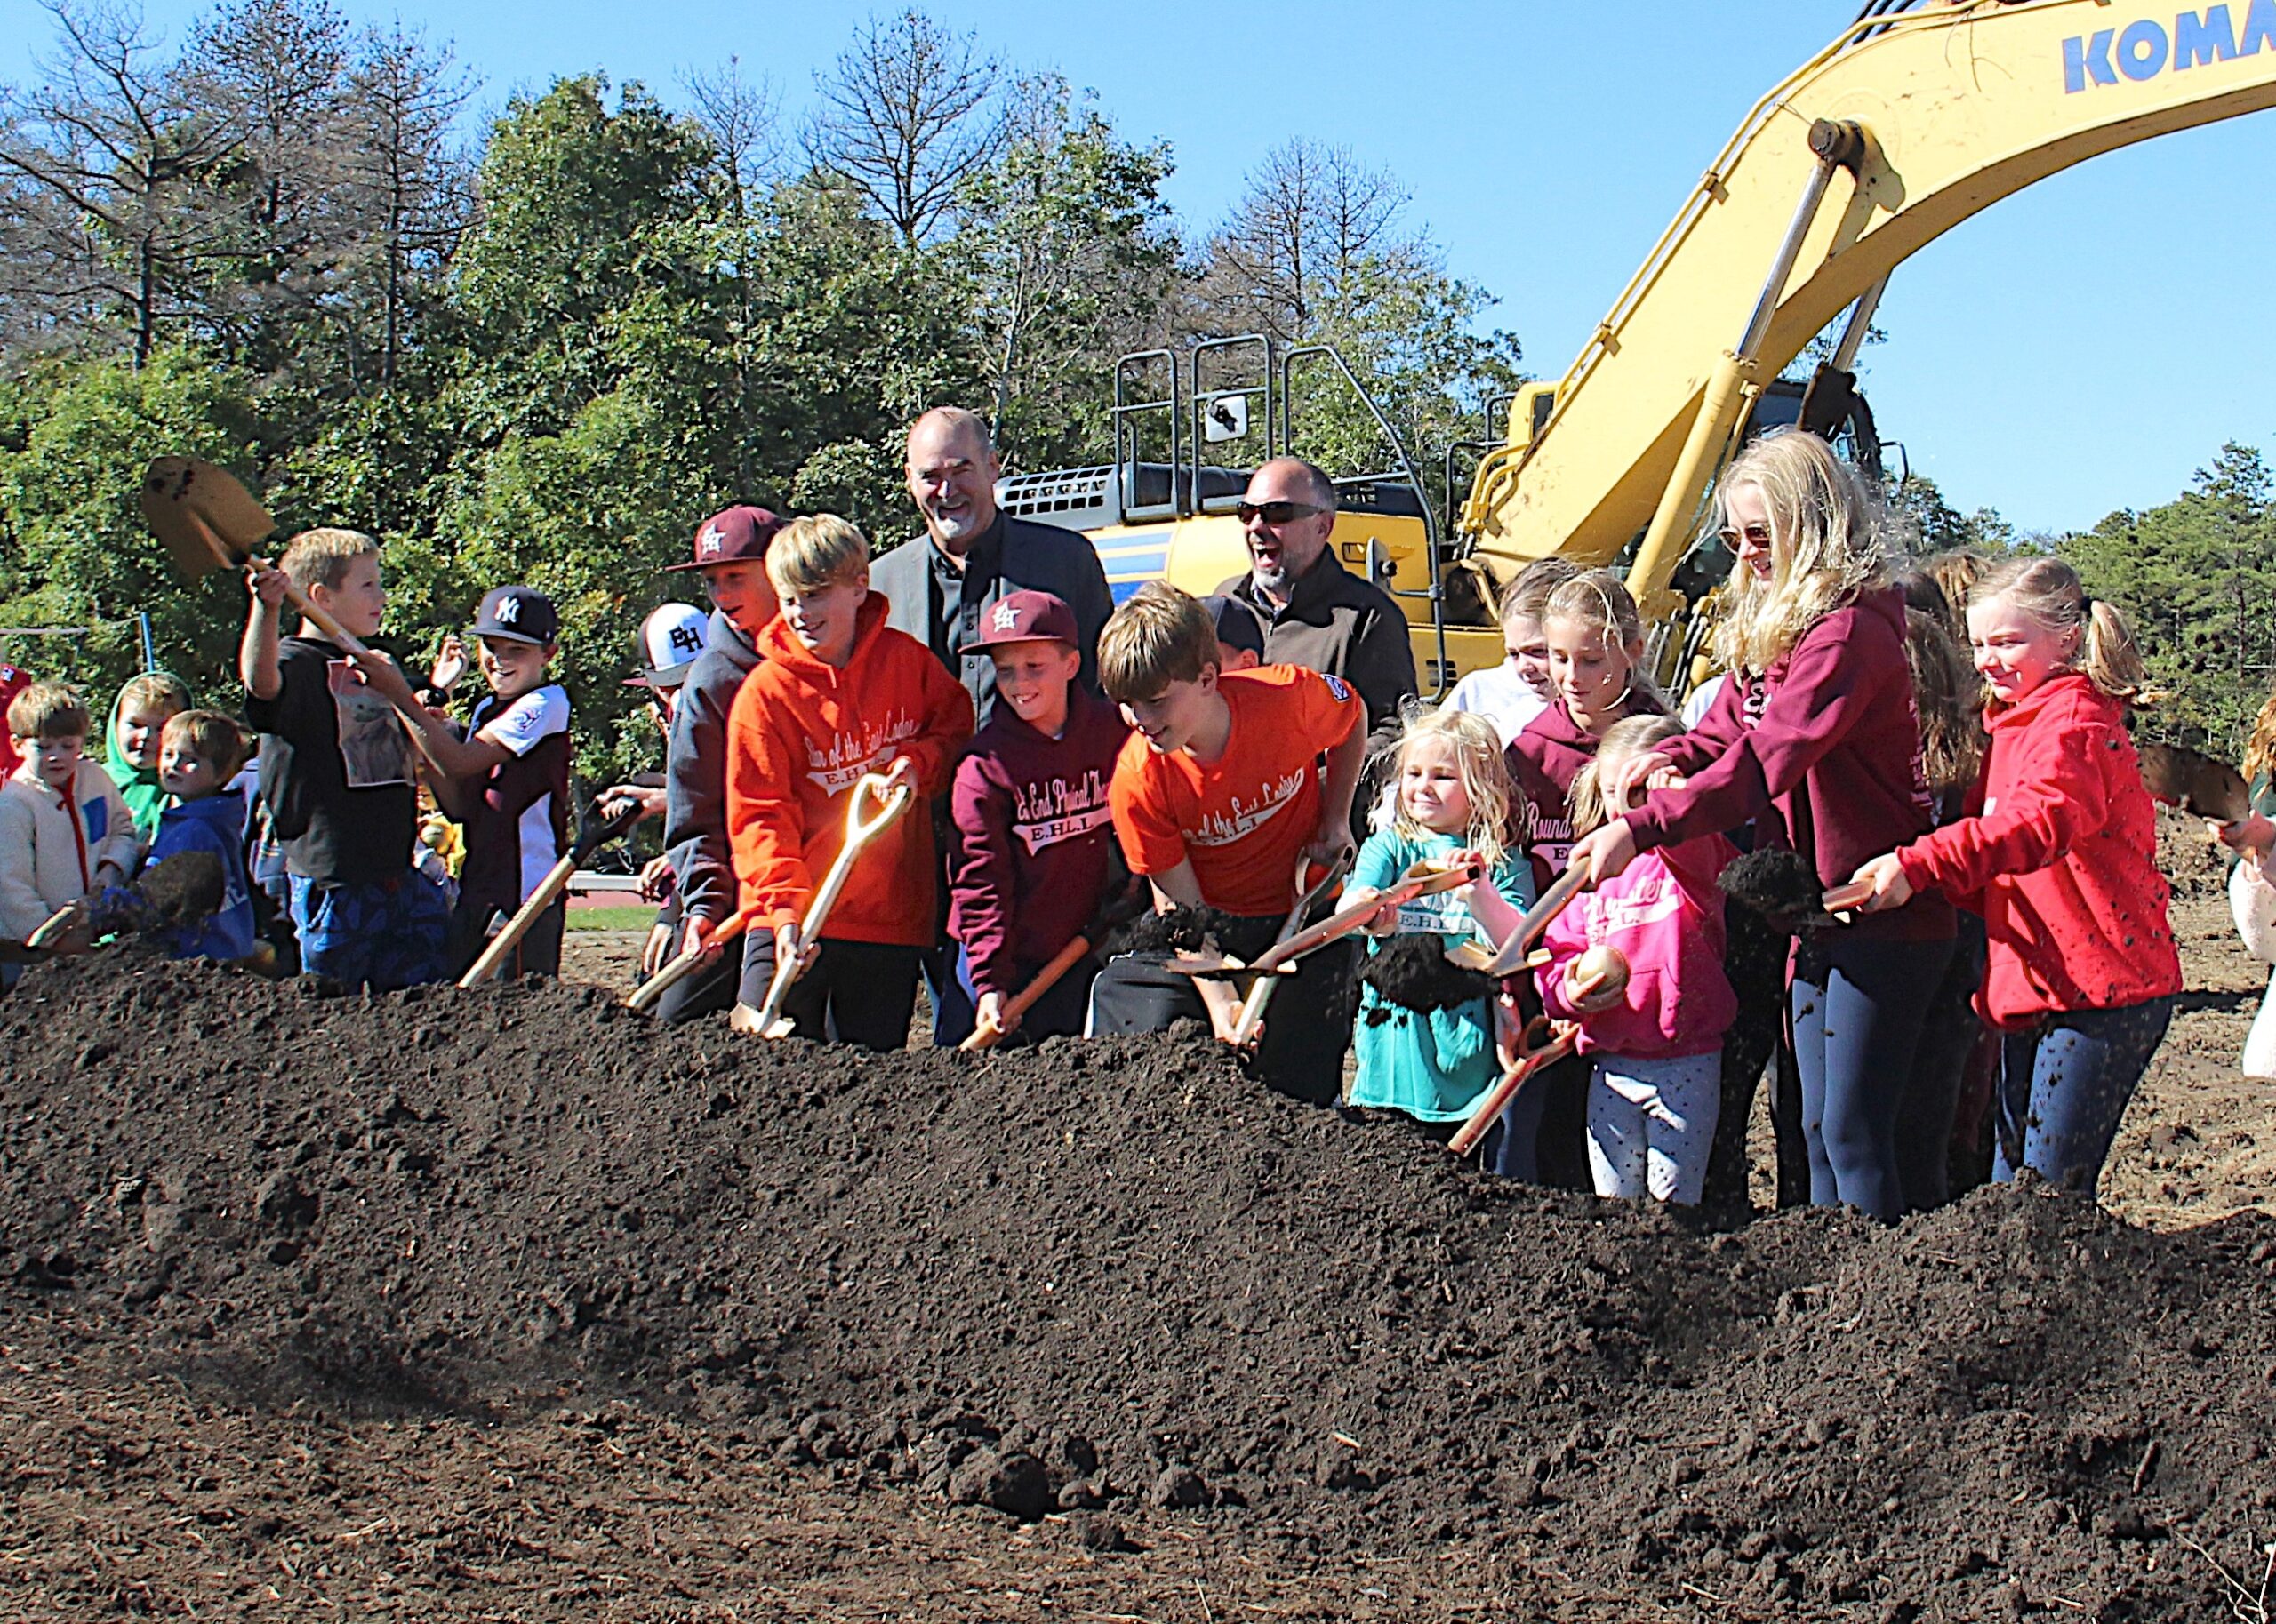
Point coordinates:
[(1410, 969), (186, 888)]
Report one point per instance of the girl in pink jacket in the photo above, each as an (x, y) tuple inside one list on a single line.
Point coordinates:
[(1656, 1042)]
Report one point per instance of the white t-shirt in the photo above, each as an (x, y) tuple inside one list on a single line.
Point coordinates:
[(1499, 695), (1702, 698)]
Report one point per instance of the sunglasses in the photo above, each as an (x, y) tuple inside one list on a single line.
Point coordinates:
[(1276, 513), (1757, 536)]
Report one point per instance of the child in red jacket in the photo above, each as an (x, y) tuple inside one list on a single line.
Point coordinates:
[(2057, 852), (837, 694), (1034, 832)]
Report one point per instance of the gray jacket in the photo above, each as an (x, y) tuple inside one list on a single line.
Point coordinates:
[(696, 775), (939, 605), (1340, 625)]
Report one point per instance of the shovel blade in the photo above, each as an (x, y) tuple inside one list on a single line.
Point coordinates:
[(187, 501), (2195, 781), (776, 1031)]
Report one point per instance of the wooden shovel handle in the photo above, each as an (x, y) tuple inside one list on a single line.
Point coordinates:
[(860, 831), (502, 945), (1498, 1097), (1562, 889), (986, 1034), (684, 962)]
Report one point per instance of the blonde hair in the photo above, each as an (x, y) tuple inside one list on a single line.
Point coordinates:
[(49, 710), (1527, 596), (2049, 591), (1956, 574), (1601, 601), (1159, 635), (1485, 781), (153, 690), (815, 551), (321, 557), (1622, 741), (2260, 748), (210, 736), (1824, 547)]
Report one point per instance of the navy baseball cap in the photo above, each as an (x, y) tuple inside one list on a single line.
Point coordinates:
[(1025, 616), (1237, 626), (732, 536), (520, 614)]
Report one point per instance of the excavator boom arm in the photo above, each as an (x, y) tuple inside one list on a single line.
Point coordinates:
[(1959, 105)]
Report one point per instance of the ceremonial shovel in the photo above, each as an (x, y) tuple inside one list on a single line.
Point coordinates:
[(556, 881), (1252, 1013), (684, 962), (207, 520), (859, 832)]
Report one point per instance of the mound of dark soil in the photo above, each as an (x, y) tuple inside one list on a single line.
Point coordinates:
[(1121, 1274)]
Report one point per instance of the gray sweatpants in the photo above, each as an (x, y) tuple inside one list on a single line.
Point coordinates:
[(1651, 1124)]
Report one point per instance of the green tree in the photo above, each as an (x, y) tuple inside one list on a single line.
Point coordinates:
[(1936, 526)]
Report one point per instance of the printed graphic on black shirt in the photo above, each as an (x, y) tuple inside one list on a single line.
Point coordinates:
[(374, 750)]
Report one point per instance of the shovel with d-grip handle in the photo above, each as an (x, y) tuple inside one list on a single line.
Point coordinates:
[(1121, 907), (501, 946), (207, 520), (891, 799), (1514, 954), (683, 963), (1252, 1014), (1561, 1037)]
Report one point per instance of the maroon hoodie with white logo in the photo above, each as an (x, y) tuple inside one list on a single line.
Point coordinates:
[(1826, 743)]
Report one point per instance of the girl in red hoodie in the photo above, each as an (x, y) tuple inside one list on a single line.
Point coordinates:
[(2058, 854), (1814, 739)]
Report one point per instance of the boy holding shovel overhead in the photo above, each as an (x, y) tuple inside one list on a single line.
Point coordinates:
[(1216, 796), (837, 694), (1033, 831), (336, 770)]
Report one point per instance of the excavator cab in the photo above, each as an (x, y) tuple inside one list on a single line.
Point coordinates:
[(1189, 429)]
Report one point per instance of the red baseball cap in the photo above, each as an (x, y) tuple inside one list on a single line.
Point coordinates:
[(730, 537), (1025, 616)]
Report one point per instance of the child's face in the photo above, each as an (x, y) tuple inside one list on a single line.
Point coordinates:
[(139, 732), (742, 593), (1526, 643), (1746, 529), (1032, 676), (54, 760), (1174, 718), (2016, 651), (360, 601), (822, 619), (512, 668), (1430, 789), (1592, 670), (186, 775)]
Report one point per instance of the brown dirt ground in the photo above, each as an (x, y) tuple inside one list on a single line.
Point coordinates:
[(138, 1483)]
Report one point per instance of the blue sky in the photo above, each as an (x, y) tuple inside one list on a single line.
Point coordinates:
[(2079, 348)]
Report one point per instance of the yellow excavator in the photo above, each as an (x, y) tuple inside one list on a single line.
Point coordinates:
[(1920, 114)]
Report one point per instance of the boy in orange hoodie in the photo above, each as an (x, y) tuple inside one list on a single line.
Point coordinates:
[(838, 694)]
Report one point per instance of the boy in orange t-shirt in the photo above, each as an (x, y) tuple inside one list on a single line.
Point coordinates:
[(838, 694), (1217, 794)]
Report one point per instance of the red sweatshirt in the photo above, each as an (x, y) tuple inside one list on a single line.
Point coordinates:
[(800, 734), (1545, 759), (1826, 741), (1034, 838), (2057, 852)]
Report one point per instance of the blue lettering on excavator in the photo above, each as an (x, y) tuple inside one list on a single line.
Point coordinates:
[(2197, 41), (2143, 50)]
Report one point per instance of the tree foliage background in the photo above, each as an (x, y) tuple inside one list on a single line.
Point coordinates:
[(544, 349)]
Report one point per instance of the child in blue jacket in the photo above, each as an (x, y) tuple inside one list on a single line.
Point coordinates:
[(201, 752)]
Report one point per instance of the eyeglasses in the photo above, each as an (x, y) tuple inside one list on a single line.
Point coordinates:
[(1276, 513), (1756, 536)]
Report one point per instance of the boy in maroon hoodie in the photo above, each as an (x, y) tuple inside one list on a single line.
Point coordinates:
[(1034, 833)]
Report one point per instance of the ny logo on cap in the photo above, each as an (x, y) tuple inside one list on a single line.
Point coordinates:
[(509, 612), (713, 540), (1007, 616)]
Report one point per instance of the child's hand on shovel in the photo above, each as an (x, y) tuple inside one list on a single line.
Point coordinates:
[(267, 585), (989, 1013), (789, 950), (902, 774)]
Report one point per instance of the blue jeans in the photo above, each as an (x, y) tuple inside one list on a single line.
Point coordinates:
[(1858, 1012), (385, 935), (2064, 1084)]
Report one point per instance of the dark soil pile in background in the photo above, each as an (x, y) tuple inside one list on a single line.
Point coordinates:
[(1121, 1275)]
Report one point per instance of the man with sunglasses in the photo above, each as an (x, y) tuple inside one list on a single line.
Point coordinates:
[(942, 589), (1316, 613)]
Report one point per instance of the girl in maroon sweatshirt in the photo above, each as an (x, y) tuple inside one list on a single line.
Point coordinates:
[(1814, 739), (1595, 639), (2057, 852)]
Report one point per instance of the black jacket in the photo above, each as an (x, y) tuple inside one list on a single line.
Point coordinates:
[(1341, 625), (940, 606)]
